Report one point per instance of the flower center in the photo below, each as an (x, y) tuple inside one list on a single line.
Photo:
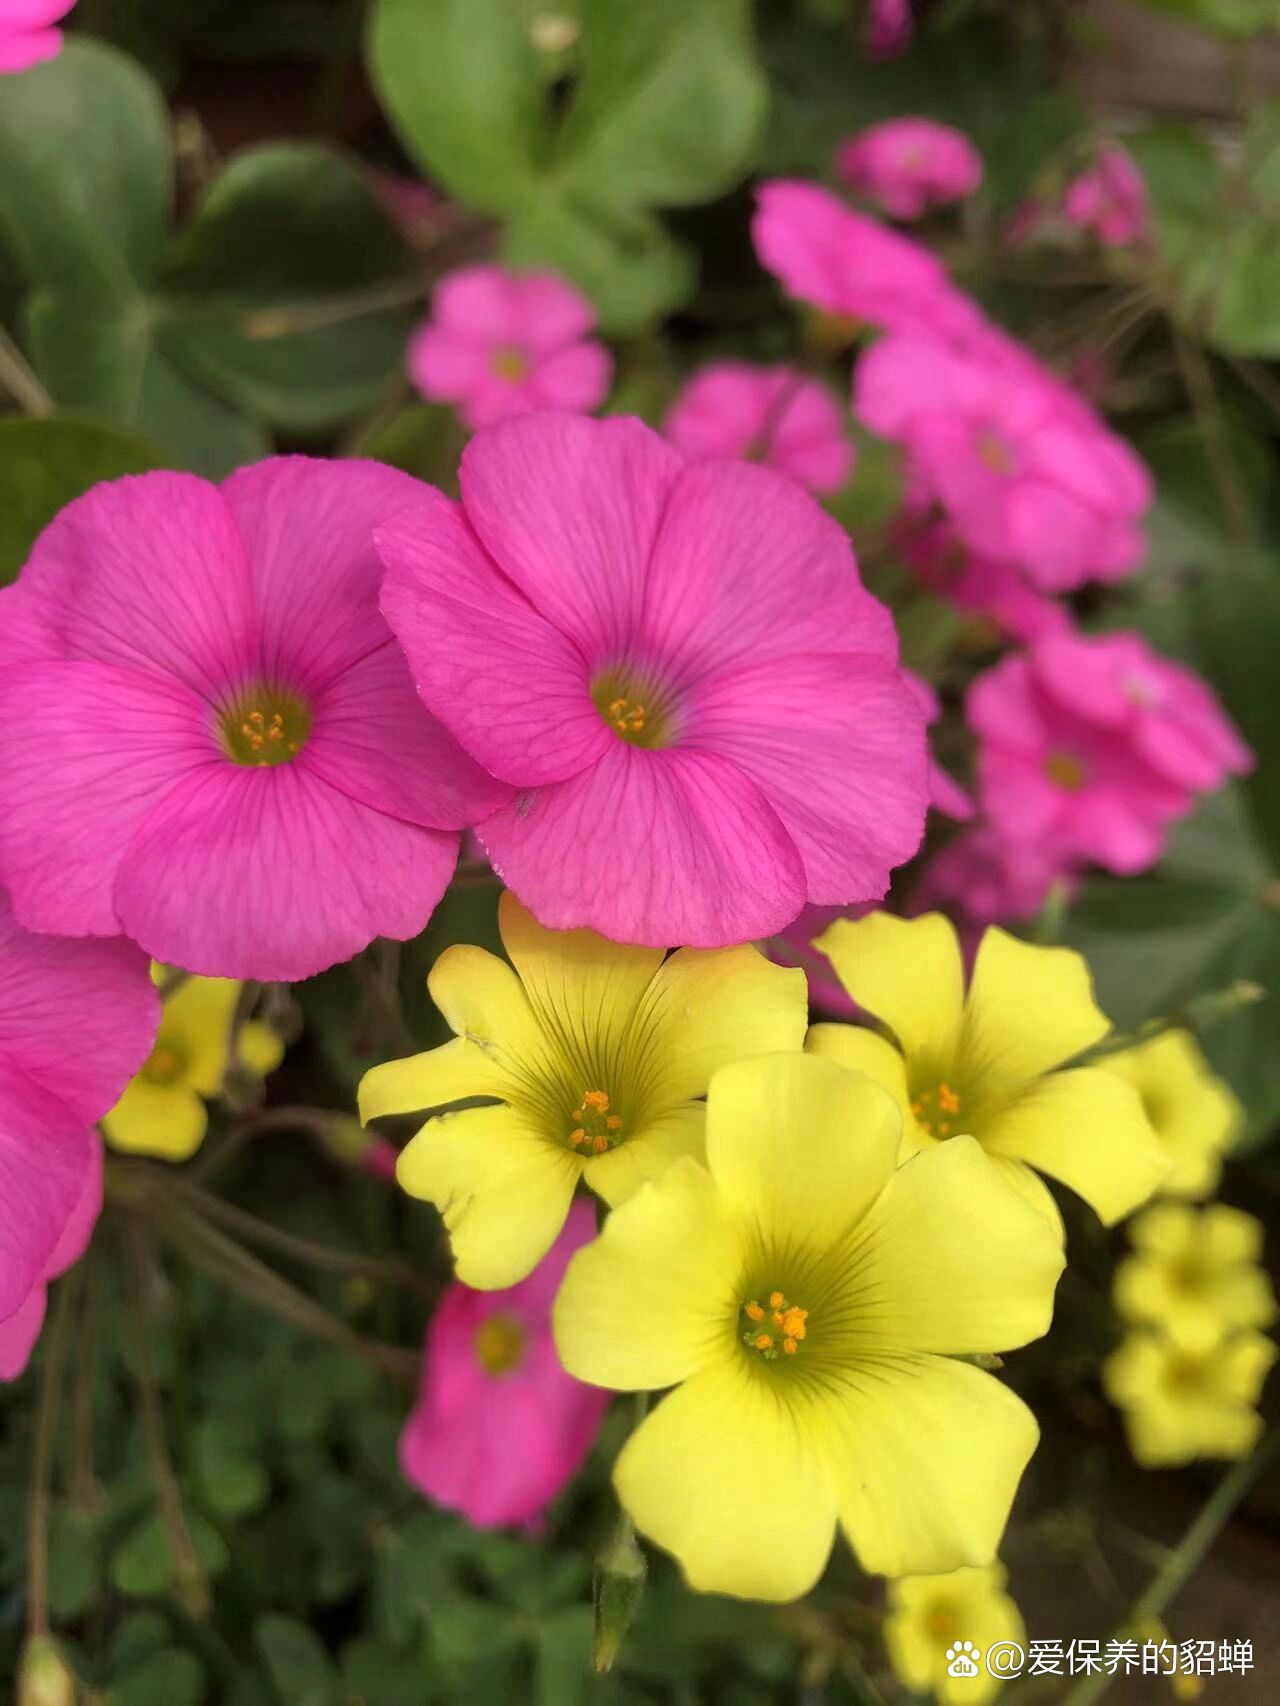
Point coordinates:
[(1185, 1376), (1066, 770), (267, 726), (936, 1110), (636, 711), (994, 453), (594, 1128), (500, 1344), (940, 1621), (165, 1065), (766, 1327), (509, 362)]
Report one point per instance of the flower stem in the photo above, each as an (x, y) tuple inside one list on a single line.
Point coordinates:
[(1200, 1014), (17, 378), (53, 1360)]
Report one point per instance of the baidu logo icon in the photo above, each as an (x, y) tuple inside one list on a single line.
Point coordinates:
[(963, 1659)]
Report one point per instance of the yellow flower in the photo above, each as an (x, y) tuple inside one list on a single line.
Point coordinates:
[(810, 1301), (1180, 1404), (1194, 1114), (983, 1062), (1195, 1273), (928, 1616), (596, 1055), (162, 1112)]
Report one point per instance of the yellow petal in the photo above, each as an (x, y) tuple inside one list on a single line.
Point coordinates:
[(1243, 1365), (705, 1009), (655, 1296), (1029, 1010), (482, 999), (197, 1016), (1229, 1235), (1031, 1186), (927, 1454), (908, 973), (721, 1475), (167, 1121), (453, 1072), (863, 1050), (956, 1260), (1194, 1114), (618, 1174), (927, 1614), (259, 1048), (1086, 1128), (503, 1190), (799, 1146)]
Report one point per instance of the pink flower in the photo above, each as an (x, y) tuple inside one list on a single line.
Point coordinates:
[(851, 266), (419, 214), (1091, 747), (945, 793), (499, 1428), (979, 586), (1022, 467), (500, 343), (889, 28), (1109, 199), (909, 165), (773, 415), (677, 665), (209, 740), (26, 35), (991, 880), (794, 947), (76, 1022)]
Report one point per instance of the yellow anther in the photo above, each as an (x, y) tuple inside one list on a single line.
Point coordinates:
[(596, 1099), (614, 1122), (789, 1346), (948, 1101), (776, 1300), (762, 1342), (577, 1136), (793, 1321), (754, 1312), (601, 1143)]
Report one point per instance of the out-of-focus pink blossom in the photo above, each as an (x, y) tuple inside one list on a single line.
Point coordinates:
[(417, 211), (501, 343), (980, 586), (988, 879), (794, 947), (499, 1428), (1109, 199), (889, 28), (852, 267), (909, 165), (1092, 747), (1025, 223), (1026, 472), (27, 35), (945, 793), (772, 415)]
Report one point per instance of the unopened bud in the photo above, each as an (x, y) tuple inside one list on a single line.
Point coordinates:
[(618, 1586), (43, 1678)]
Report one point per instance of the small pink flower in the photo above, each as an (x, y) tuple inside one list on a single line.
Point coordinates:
[(419, 214), (209, 740), (991, 880), (26, 33), (1090, 748), (1109, 199), (677, 666), (889, 28), (979, 586), (499, 1428), (909, 165), (851, 266), (945, 793), (77, 1019), (500, 343), (1026, 472), (773, 415)]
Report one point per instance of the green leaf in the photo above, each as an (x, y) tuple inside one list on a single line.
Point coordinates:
[(1224, 17), (563, 1658), (425, 440), (74, 1563), (623, 259), (232, 1479), (169, 1678), (1245, 318), (300, 1665), (459, 81), (289, 232), (44, 464), (85, 168), (143, 1565), (99, 353)]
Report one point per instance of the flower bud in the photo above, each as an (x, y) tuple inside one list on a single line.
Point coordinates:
[(618, 1586)]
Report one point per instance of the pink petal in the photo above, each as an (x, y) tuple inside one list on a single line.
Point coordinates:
[(307, 526), (570, 509), (837, 746), (272, 874), (110, 746), (149, 574), (20, 1331), (445, 366), (31, 47), (552, 313), (77, 1016), (651, 847), (479, 304), (575, 378), (502, 679), (78, 1230), (45, 1155)]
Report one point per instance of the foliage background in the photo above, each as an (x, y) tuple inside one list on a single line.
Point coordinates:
[(195, 268)]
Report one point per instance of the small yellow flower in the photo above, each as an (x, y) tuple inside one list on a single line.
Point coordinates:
[(1180, 1404), (1193, 1113), (596, 1055), (984, 1062), (929, 1615), (868, 1418), (162, 1112), (1195, 1273)]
